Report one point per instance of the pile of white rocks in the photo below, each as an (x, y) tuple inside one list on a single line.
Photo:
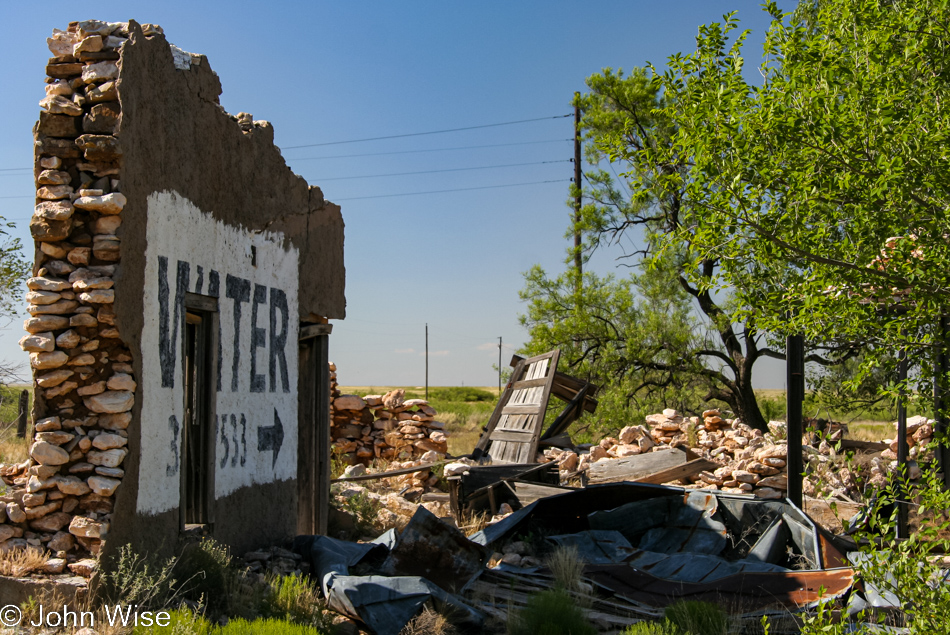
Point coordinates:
[(62, 497), (752, 462), (388, 427)]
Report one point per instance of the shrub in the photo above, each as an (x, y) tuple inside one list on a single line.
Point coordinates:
[(651, 628), (698, 618), (293, 598), (204, 574), (551, 613), (139, 580)]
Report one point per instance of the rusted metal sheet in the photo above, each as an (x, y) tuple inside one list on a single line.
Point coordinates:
[(740, 593), (433, 550)]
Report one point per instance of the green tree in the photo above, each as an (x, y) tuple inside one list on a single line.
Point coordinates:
[(825, 191), (659, 333)]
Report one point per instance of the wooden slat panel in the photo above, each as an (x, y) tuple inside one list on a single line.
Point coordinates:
[(522, 409), (509, 435), (531, 383)]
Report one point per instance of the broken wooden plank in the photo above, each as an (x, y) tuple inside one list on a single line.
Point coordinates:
[(679, 471), (632, 468), (529, 492), (377, 475), (869, 446)]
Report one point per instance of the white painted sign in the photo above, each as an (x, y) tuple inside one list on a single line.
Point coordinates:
[(254, 276)]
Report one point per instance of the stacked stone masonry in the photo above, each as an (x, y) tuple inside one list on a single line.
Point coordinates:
[(389, 427), (61, 498)]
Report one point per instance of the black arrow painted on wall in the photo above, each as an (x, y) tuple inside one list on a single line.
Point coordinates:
[(271, 438)]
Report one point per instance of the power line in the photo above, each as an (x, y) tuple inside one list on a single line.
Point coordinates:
[(379, 154), (16, 169), (419, 134), (461, 189), (481, 167)]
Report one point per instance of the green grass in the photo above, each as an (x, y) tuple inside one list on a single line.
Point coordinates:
[(12, 450)]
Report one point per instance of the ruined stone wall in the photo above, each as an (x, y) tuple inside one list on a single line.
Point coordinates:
[(147, 190)]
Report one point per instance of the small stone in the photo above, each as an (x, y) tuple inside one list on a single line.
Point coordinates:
[(48, 454), (84, 359), (38, 342), (56, 437), (119, 421), (85, 567), (108, 441), (15, 513), (112, 472), (106, 225), (43, 297), (48, 424), (43, 323), (112, 401), (102, 92), (98, 296), (107, 458), (42, 361), (79, 256), (59, 307), (121, 381), (99, 147), (82, 319), (61, 541), (87, 528), (53, 250), (53, 177), (53, 194), (52, 522), (768, 493), (91, 44), (54, 378), (105, 204), (81, 468), (92, 389), (106, 248), (99, 72), (32, 513), (71, 485), (68, 339), (88, 284), (59, 105), (349, 402), (43, 283), (102, 485), (64, 388), (54, 566)]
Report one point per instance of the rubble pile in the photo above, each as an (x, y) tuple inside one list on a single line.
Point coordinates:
[(61, 498), (388, 427)]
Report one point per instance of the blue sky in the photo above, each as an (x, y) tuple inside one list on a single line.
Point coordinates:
[(325, 72)]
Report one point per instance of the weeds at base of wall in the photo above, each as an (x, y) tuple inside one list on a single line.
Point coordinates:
[(20, 562), (202, 587)]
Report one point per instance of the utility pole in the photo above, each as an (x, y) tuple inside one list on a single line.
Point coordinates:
[(499, 365), (427, 361), (577, 184)]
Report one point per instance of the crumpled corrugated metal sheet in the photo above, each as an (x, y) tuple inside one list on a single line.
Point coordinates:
[(739, 593), (384, 603)]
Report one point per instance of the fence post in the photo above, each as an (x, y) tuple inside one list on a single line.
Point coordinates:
[(22, 414)]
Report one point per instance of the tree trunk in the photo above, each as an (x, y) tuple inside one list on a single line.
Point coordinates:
[(746, 407)]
